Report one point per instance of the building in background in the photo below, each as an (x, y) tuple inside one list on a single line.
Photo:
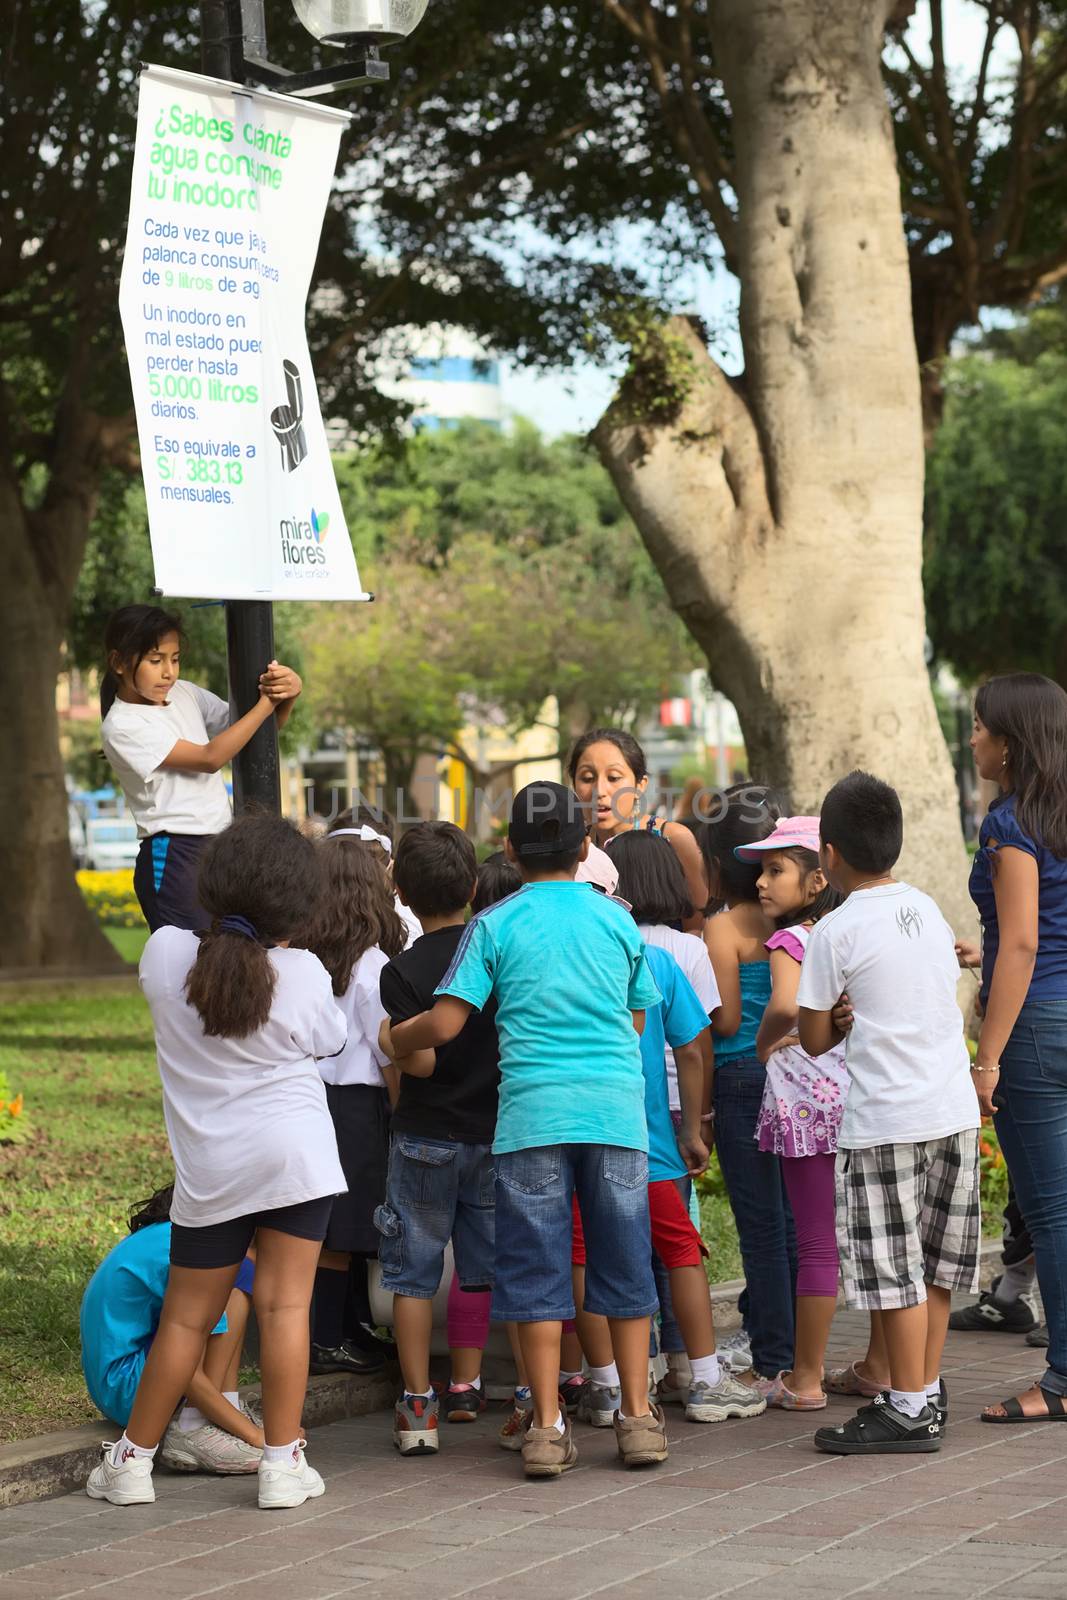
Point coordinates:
[(447, 376)]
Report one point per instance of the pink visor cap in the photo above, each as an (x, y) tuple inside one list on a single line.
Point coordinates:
[(790, 833), (599, 870)]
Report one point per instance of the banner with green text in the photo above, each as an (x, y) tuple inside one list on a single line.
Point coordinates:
[(230, 186)]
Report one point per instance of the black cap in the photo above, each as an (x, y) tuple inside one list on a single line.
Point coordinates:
[(546, 820)]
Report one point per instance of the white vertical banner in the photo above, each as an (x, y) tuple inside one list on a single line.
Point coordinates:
[(230, 186)]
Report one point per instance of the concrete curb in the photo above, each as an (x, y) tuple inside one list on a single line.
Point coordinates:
[(56, 1463)]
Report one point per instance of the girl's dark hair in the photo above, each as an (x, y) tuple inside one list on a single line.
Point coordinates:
[(132, 633), (263, 872), (355, 910), (497, 878), (364, 816), (749, 814), (827, 900), (650, 878), (155, 1209), (624, 742), (1030, 712)]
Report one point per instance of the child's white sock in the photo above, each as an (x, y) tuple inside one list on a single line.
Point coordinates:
[(189, 1418), (607, 1377), (233, 1397), (559, 1424), (522, 1394), (408, 1395), (706, 1369), (282, 1452), (123, 1449), (565, 1377), (1015, 1281), (933, 1391), (909, 1402)]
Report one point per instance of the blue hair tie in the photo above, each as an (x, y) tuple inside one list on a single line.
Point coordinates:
[(241, 925)]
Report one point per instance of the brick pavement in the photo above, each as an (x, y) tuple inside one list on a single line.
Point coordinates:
[(746, 1509)]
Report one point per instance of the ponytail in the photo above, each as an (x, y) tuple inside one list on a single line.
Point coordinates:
[(260, 880), (231, 983), (155, 1209)]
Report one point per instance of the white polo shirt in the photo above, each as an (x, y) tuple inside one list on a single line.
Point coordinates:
[(138, 738)]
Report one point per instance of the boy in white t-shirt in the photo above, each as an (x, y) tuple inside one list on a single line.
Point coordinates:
[(881, 971)]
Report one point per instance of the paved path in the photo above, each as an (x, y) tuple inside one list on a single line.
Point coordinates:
[(745, 1509)]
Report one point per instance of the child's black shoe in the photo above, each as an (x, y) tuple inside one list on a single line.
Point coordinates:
[(880, 1429)]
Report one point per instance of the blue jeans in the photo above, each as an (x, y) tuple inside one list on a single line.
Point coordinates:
[(437, 1190), (761, 1211), (1031, 1123), (534, 1226)]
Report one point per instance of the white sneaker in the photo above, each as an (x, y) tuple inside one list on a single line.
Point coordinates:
[(735, 1350), (207, 1449), (129, 1484), (288, 1483)]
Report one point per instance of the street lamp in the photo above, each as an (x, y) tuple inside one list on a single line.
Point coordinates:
[(234, 47)]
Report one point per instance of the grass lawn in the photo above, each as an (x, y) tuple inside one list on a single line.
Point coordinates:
[(129, 942), (83, 1057)]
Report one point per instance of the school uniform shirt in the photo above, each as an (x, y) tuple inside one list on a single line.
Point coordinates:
[(360, 1061), (692, 956), (908, 1067), (566, 966), (137, 739), (247, 1119), (678, 1019), (459, 1102)]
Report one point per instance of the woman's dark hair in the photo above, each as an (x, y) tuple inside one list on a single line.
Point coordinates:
[(624, 742), (260, 872), (365, 816), (749, 813), (1030, 713), (435, 869), (650, 878), (132, 633), (355, 910), (155, 1209), (497, 878), (825, 901)]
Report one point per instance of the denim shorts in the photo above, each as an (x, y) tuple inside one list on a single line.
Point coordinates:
[(436, 1190), (534, 1224)]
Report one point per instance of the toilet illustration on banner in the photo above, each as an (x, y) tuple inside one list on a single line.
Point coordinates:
[(288, 420)]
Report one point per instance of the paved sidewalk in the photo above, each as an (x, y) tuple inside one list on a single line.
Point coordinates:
[(746, 1509)]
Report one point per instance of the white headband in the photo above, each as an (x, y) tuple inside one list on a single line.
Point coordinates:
[(365, 833)]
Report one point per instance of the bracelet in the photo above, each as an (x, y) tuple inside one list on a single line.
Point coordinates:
[(985, 1069)]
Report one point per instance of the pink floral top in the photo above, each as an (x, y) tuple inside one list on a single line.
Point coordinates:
[(804, 1098)]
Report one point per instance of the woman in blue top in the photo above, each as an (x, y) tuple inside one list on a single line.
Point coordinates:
[(1019, 884)]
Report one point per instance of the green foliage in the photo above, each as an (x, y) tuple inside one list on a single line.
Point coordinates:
[(996, 509)]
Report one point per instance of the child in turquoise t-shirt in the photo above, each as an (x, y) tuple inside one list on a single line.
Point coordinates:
[(567, 969)]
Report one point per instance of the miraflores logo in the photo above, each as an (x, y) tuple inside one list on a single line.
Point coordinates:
[(303, 540)]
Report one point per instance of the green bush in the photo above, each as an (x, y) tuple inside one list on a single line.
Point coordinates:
[(110, 897)]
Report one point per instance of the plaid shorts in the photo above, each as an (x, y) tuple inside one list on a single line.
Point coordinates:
[(908, 1215)]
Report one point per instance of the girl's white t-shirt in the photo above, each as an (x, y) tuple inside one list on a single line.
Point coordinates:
[(360, 1061), (692, 956), (137, 738), (247, 1119)]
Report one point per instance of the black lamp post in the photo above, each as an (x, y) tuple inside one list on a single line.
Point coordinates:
[(234, 47)]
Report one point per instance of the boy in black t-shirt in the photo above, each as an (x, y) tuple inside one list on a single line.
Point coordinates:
[(440, 1183)]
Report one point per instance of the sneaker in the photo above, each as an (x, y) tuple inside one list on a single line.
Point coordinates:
[(545, 1451), (513, 1432), (939, 1407), (880, 1429), (288, 1483), (673, 1388), (990, 1316), (642, 1441), (570, 1393), (735, 1350), (415, 1425), (599, 1404), (207, 1449), (128, 1484), (1038, 1337), (345, 1357), (718, 1402), (462, 1402)]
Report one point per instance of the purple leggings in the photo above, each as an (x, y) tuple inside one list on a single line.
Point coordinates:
[(809, 1183), (468, 1318)]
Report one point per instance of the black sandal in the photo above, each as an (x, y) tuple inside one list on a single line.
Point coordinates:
[(1013, 1412)]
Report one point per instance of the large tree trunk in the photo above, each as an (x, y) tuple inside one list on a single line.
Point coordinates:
[(785, 513), (45, 921)]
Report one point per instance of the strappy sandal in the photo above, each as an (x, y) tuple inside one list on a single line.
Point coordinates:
[(847, 1380), (1055, 1411), (776, 1393)]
